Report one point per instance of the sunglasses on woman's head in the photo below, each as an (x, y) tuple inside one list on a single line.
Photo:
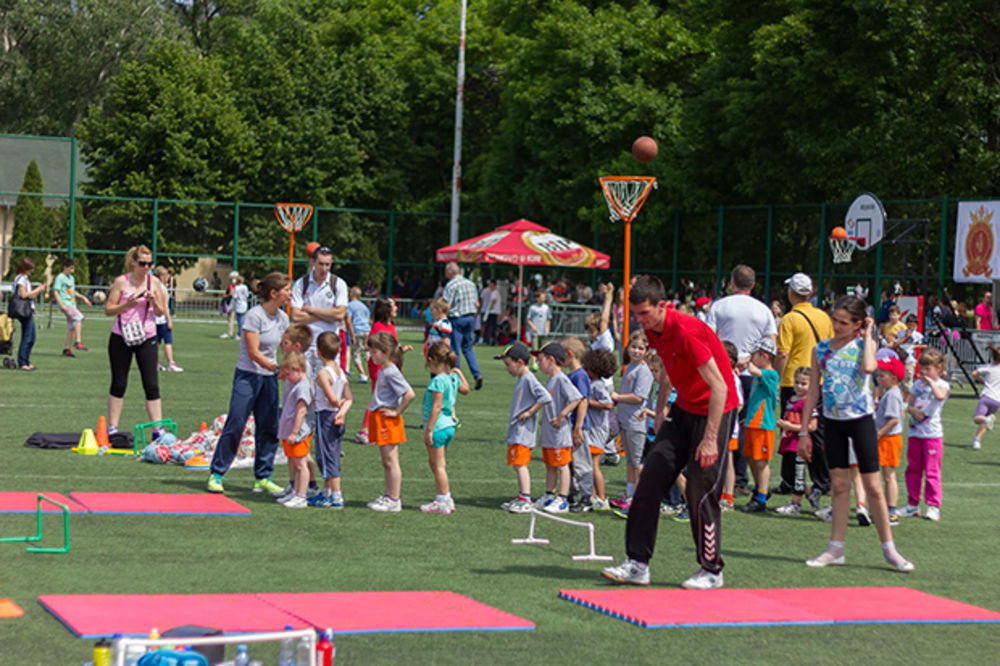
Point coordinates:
[(145, 264)]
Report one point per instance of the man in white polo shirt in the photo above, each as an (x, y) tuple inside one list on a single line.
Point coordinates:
[(319, 299), (742, 320)]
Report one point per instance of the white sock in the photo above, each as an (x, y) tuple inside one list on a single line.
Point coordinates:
[(630, 489), (338, 496), (327, 492), (836, 548), (442, 498)]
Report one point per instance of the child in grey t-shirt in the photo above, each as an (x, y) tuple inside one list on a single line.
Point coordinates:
[(294, 429), (529, 397)]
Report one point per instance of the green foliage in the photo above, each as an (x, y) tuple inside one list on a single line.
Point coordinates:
[(59, 56), (82, 273), (34, 225), (171, 127)]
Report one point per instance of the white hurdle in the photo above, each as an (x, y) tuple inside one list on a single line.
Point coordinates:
[(532, 539)]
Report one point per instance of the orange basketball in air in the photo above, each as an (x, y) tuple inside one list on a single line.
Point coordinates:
[(839, 233), (644, 148)]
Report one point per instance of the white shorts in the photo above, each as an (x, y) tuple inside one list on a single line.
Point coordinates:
[(73, 316)]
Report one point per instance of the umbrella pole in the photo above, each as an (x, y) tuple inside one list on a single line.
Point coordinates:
[(520, 288)]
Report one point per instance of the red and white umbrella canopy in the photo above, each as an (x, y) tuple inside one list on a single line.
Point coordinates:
[(523, 243)]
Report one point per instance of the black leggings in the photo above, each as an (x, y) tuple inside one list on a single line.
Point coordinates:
[(120, 355), (860, 433)]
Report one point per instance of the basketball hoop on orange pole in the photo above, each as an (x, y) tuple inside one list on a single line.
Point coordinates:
[(292, 217), (625, 196)]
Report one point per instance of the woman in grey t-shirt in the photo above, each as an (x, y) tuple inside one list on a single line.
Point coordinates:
[(22, 283), (255, 386)]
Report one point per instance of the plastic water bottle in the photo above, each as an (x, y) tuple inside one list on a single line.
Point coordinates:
[(286, 655), (242, 658), (324, 649), (302, 650)]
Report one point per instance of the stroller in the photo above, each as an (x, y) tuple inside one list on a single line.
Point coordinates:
[(7, 341)]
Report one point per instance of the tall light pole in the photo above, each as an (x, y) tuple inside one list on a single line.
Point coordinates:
[(456, 179)]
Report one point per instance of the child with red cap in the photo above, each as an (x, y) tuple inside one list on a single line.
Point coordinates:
[(889, 423)]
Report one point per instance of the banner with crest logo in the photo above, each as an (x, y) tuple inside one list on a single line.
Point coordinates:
[(977, 253)]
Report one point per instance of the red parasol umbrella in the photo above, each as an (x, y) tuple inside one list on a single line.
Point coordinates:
[(523, 243)]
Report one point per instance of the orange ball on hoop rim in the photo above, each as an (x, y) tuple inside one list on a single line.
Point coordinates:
[(644, 149), (839, 233)]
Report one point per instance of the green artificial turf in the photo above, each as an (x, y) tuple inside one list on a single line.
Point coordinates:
[(468, 552)]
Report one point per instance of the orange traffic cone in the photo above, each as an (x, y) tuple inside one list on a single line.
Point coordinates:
[(102, 433)]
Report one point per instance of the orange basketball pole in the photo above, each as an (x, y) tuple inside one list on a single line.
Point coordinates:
[(627, 280)]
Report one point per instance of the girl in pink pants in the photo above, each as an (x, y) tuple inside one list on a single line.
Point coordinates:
[(925, 445)]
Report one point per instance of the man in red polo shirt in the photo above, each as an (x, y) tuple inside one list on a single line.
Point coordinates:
[(690, 440)]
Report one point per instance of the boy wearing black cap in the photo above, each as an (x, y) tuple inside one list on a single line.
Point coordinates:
[(557, 431), (529, 397)]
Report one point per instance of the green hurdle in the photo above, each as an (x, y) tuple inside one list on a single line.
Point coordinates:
[(139, 441), (38, 535)]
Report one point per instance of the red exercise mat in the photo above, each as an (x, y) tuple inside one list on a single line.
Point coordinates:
[(97, 615), (388, 612), (192, 504), (27, 502), (651, 607)]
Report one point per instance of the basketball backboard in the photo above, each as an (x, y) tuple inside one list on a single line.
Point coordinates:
[(865, 221)]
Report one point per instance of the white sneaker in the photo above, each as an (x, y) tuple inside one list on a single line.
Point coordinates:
[(991, 421), (976, 445), (601, 504), (385, 504), (285, 499), (437, 507), (173, 367), (296, 502), (909, 511), (557, 505), (703, 580), (864, 518), (826, 559), (826, 515), (544, 501), (790, 509), (933, 513), (629, 571), (517, 505), (159, 366)]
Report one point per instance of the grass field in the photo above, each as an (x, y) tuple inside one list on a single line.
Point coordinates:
[(468, 552)]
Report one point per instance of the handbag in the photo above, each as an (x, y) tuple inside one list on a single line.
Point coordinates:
[(19, 308), (134, 332)]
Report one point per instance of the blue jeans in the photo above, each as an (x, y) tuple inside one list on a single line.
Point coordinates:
[(239, 322), (252, 394), (27, 342), (461, 342)]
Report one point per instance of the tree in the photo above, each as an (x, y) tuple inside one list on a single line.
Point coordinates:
[(34, 225), (57, 57), (171, 128)]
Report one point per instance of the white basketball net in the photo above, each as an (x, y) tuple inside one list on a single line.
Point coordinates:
[(293, 216), (625, 196), (843, 249)]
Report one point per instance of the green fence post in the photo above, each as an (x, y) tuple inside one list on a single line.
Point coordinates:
[(72, 194), (943, 256), (156, 227), (822, 253), (677, 242), (392, 249), (718, 246), (767, 257), (236, 236)]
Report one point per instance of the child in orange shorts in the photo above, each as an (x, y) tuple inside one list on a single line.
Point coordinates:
[(529, 397), (557, 432), (889, 423), (758, 439), (294, 429), (390, 397)]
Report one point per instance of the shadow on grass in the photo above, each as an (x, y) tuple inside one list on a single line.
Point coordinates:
[(986, 463), (743, 554), (549, 571)]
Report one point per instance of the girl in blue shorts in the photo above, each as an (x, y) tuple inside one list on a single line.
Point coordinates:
[(439, 419)]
